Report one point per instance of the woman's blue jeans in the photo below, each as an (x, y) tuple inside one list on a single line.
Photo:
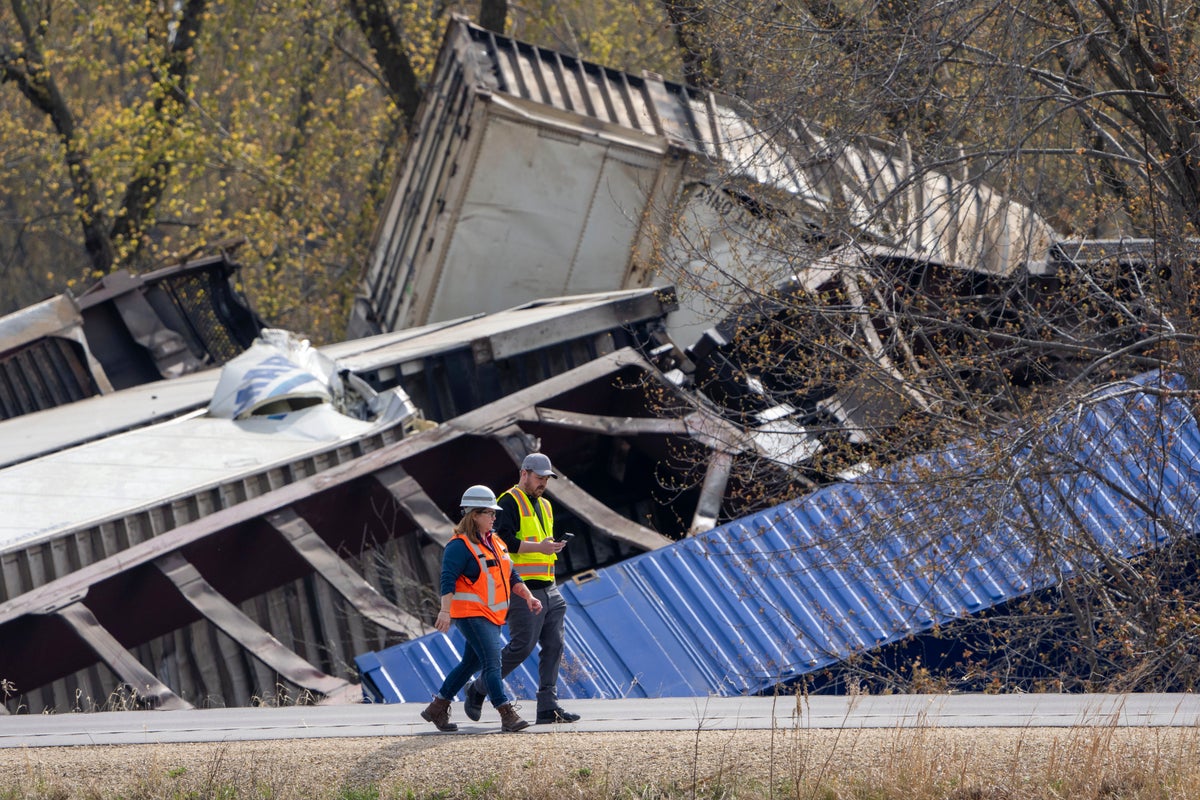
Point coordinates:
[(482, 652)]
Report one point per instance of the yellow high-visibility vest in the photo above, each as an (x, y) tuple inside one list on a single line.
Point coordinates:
[(533, 566)]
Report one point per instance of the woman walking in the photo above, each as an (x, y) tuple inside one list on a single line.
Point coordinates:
[(477, 583)]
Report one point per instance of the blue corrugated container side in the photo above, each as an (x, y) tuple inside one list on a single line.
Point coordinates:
[(765, 599)]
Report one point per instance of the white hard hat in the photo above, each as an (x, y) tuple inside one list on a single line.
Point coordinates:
[(479, 497)]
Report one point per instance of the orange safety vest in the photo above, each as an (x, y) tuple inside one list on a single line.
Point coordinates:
[(486, 596), (533, 566)]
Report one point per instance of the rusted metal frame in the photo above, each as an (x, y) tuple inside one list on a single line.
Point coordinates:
[(341, 576), (119, 660), (712, 491), (715, 433), (521, 405), (411, 497), (611, 426), (565, 491), (712, 432), (243, 630), (585, 321), (707, 429), (515, 441), (495, 416)]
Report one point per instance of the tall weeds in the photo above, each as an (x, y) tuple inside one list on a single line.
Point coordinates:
[(1094, 762)]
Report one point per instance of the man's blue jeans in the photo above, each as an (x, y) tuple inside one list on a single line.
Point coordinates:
[(544, 629), (482, 652)]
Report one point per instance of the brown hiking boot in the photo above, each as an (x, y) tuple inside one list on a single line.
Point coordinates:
[(438, 712), (509, 721)]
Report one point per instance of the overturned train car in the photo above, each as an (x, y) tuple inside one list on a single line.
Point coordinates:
[(124, 331), (262, 582), (533, 173)]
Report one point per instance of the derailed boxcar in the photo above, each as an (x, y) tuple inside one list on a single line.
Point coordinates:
[(532, 174)]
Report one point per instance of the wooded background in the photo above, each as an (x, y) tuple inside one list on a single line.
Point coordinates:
[(134, 133)]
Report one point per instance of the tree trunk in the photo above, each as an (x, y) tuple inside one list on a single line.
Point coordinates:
[(26, 70), (386, 42), (493, 14), (701, 62), (146, 189)]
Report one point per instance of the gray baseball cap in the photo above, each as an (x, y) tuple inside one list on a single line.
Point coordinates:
[(539, 464)]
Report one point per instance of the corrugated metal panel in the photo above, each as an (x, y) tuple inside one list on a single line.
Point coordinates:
[(43, 374), (571, 177), (104, 415), (566, 83), (122, 475), (868, 172), (770, 597), (44, 359)]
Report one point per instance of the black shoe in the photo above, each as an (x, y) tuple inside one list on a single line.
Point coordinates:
[(554, 715), (474, 705)]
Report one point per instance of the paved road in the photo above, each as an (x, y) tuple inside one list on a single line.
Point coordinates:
[(712, 713)]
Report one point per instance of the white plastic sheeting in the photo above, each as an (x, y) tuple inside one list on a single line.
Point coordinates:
[(277, 373)]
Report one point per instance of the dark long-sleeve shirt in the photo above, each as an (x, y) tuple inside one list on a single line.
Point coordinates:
[(457, 559)]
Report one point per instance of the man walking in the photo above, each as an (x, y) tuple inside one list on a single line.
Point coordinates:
[(526, 524)]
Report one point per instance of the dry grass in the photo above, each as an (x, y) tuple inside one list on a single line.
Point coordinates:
[(1094, 763)]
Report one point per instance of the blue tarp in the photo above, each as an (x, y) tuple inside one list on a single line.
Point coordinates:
[(767, 598)]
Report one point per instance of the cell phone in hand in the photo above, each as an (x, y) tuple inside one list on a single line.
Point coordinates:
[(562, 537)]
